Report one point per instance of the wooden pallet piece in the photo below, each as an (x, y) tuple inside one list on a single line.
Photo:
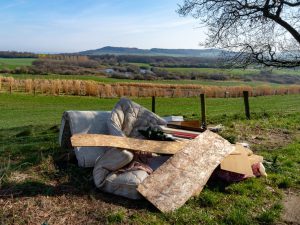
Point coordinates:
[(160, 147)]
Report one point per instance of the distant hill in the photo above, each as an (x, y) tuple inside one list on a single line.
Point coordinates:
[(207, 53)]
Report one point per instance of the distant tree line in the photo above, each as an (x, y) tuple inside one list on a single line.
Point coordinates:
[(65, 57), (13, 54), (161, 61)]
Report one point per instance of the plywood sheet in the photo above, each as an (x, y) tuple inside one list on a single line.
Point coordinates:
[(98, 140), (186, 173)]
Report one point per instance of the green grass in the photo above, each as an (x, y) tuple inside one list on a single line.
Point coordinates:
[(22, 109), (141, 65), (239, 72), (28, 145), (13, 63), (232, 72)]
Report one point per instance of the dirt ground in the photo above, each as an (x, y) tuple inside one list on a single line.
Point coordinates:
[(265, 138), (291, 214)]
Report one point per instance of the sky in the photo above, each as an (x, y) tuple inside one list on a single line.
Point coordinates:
[(54, 26)]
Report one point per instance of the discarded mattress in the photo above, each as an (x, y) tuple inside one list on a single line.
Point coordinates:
[(115, 171), (120, 172), (83, 122)]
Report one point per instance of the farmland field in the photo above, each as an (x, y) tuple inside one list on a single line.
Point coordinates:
[(12, 63), (235, 72), (39, 186), (234, 77)]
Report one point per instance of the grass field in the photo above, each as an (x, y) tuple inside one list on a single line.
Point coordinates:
[(37, 186), (233, 72), (12, 63), (48, 109)]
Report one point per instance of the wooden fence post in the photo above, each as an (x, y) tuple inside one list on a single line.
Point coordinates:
[(153, 104), (203, 111), (246, 101)]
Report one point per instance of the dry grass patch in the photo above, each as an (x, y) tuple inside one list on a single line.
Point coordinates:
[(59, 210), (93, 88), (19, 177)]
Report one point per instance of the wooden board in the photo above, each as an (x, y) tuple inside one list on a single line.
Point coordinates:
[(240, 149), (192, 125), (238, 164), (255, 159), (238, 161), (99, 140), (186, 173)]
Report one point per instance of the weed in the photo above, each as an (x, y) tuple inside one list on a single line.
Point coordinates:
[(229, 137), (208, 199), (273, 165), (237, 217), (5, 168), (285, 183), (271, 215), (25, 133), (54, 128), (116, 217)]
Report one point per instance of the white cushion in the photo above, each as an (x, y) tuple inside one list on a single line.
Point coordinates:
[(124, 184)]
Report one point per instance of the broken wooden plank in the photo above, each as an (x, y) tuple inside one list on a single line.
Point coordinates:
[(99, 140), (186, 173)]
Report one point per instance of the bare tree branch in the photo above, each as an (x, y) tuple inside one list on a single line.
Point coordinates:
[(260, 30)]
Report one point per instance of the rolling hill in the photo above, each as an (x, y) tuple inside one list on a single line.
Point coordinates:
[(208, 53)]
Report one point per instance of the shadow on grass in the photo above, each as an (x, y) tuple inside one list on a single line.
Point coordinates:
[(36, 188)]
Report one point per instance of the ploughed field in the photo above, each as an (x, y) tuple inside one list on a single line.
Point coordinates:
[(39, 184)]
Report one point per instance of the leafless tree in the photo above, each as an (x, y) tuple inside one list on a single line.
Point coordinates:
[(262, 31)]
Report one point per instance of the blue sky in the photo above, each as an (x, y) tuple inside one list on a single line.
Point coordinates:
[(75, 25)]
